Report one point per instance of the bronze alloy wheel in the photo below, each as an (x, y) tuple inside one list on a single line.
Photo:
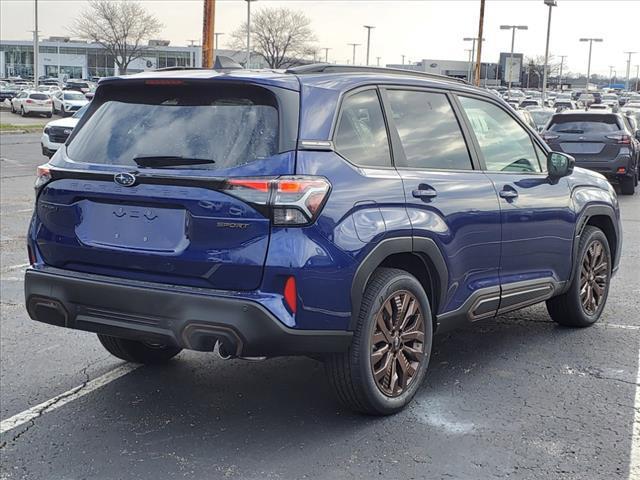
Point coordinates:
[(593, 277), (397, 347)]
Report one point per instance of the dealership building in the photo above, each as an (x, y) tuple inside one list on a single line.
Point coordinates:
[(61, 57)]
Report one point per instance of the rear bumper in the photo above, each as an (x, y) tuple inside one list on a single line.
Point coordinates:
[(609, 168), (187, 318)]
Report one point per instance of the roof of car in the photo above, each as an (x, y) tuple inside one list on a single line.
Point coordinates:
[(293, 79)]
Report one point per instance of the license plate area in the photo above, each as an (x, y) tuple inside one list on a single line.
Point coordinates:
[(586, 148), (129, 227)]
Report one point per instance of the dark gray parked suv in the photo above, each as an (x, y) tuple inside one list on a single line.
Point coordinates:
[(599, 141)]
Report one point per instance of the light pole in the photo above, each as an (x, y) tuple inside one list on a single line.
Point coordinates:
[(248, 64), (637, 72), (368, 27), (378, 61), (610, 75), (551, 4), (590, 40), (513, 29), (354, 45), (36, 47), (326, 54), (473, 56), (628, 68), (562, 57), (470, 51), (403, 59)]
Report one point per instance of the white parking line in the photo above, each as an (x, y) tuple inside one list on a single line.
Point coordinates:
[(15, 267), (64, 398), (634, 464)]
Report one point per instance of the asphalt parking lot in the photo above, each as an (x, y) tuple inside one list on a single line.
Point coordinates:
[(513, 397)]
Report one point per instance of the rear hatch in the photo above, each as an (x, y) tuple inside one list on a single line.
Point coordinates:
[(156, 183), (589, 137)]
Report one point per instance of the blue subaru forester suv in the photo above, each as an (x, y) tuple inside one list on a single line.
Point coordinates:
[(343, 213)]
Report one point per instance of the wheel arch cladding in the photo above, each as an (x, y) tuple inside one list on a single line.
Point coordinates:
[(421, 259)]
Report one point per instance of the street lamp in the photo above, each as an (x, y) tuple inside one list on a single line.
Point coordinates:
[(354, 45), (248, 64), (628, 68), (470, 52), (326, 54), (611, 70), (562, 57), (590, 40), (368, 27), (378, 61), (550, 4), (473, 55), (513, 29), (403, 59)]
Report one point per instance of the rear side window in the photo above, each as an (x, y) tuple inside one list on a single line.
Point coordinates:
[(361, 136), (584, 124), (230, 125), (429, 132), (39, 96)]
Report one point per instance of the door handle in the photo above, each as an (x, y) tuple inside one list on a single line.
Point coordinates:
[(508, 193), (424, 193)]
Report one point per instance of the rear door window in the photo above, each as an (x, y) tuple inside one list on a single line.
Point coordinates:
[(361, 134), (584, 124), (429, 131), (230, 125)]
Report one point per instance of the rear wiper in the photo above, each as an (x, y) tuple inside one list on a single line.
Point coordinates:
[(570, 131), (169, 161)]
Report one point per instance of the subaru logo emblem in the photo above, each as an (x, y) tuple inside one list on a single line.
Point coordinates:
[(125, 179)]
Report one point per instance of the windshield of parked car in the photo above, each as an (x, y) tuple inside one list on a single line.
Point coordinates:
[(584, 124), (74, 96), (80, 112), (230, 125)]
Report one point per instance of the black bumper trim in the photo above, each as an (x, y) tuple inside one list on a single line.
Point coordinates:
[(172, 316)]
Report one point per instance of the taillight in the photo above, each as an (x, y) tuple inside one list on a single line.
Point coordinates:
[(32, 257), (621, 139), (29, 101), (292, 201), (43, 176)]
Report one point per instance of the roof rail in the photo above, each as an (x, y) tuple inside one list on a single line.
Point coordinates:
[(333, 68)]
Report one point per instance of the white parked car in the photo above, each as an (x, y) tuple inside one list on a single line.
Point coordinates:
[(28, 102), (68, 101), (56, 132)]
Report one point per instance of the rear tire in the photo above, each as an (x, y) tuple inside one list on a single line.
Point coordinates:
[(388, 357), (138, 352), (22, 112), (569, 309), (628, 185)]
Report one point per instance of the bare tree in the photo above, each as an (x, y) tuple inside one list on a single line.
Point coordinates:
[(282, 36), (121, 27), (535, 65)]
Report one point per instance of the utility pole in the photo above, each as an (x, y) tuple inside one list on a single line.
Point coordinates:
[(513, 29), (610, 75), (36, 48), (628, 68), (208, 22), (403, 59), (550, 4), (590, 40), (354, 45), (368, 27), (326, 54), (562, 57), (378, 60), (480, 40)]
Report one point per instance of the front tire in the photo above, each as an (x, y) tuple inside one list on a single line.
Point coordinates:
[(582, 304), (388, 358), (138, 352)]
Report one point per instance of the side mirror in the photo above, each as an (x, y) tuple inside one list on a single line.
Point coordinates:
[(559, 165)]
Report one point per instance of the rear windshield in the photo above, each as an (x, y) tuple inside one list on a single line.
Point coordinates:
[(584, 124), (229, 125), (74, 96), (39, 96)]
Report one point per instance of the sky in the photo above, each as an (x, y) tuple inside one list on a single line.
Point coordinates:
[(418, 29)]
